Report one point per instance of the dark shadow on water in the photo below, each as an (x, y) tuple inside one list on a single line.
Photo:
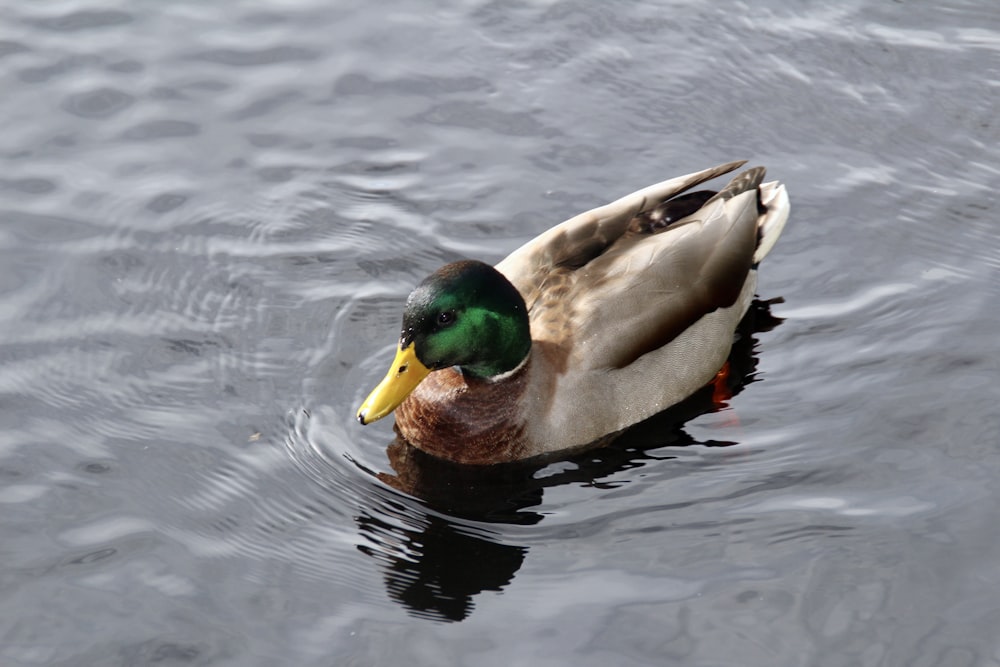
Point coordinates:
[(435, 572), (435, 568)]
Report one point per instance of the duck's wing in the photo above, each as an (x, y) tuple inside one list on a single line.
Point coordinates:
[(648, 288), (542, 264)]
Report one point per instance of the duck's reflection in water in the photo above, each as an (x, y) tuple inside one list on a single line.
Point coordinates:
[(436, 571), (438, 555)]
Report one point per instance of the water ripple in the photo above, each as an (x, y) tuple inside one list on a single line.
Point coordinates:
[(83, 20)]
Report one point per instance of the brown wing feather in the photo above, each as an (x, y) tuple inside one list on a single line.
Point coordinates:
[(683, 272), (579, 240), (748, 180)]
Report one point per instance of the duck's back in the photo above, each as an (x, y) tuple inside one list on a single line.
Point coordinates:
[(625, 327)]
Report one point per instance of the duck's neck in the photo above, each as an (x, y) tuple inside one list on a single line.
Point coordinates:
[(491, 374), (509, 344)]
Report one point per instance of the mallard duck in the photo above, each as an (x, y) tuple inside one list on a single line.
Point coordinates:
[(598, 323)]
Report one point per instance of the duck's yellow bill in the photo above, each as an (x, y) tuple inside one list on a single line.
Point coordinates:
[(403, 377)]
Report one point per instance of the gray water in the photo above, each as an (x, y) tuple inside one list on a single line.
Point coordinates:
[(211, 214)]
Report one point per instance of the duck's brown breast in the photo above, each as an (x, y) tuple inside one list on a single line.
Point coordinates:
[(466, 419)]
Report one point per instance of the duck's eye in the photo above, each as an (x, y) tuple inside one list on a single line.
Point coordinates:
[(446, 317)]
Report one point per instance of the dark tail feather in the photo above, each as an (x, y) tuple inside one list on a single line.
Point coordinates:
[(748, 180)]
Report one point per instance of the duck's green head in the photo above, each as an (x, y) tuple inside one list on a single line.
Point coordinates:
[(465, 314)]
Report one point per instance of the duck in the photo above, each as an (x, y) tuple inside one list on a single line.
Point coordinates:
[(598, 323)]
